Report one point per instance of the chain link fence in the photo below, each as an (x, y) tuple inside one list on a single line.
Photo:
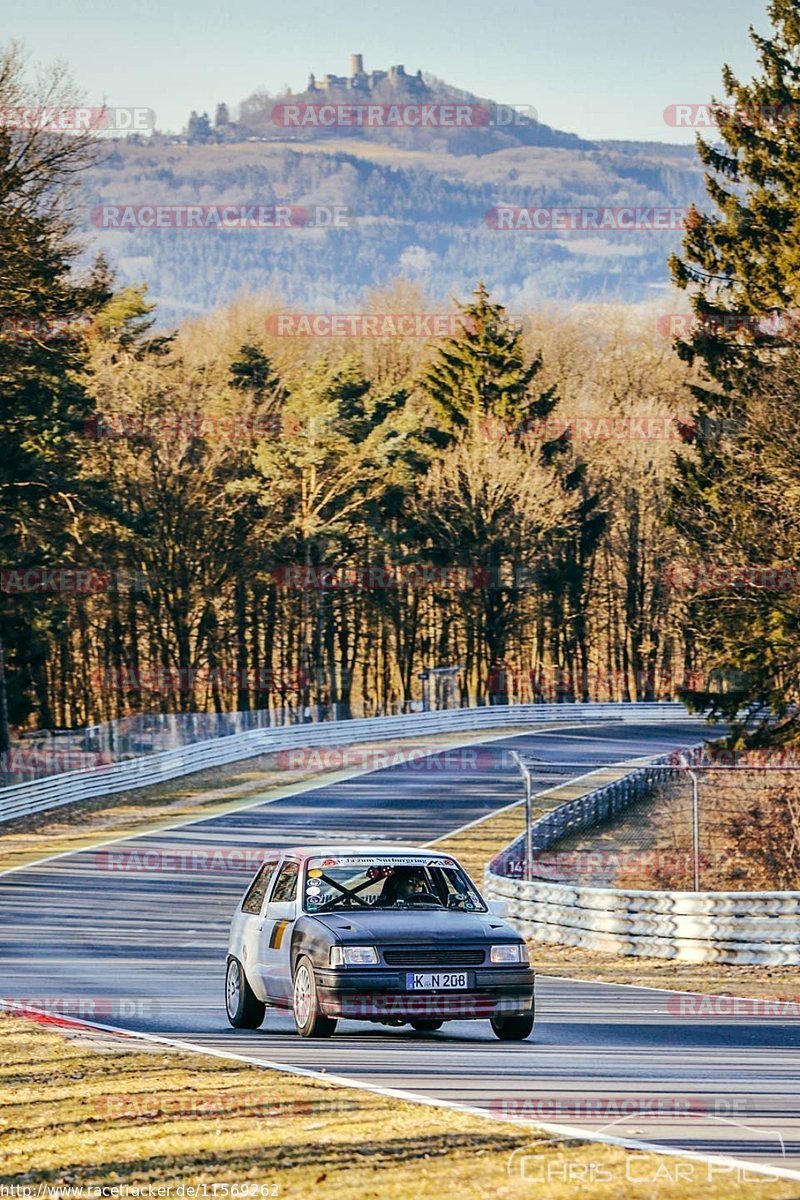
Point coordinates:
[(44, 753), (689, 822)]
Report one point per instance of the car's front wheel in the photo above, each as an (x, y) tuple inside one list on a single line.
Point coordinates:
[(308, 1018), (245, 1010), (426, 1025), (513, 1029)]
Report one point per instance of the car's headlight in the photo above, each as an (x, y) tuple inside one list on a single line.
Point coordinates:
[(353, 956), (508, 952)]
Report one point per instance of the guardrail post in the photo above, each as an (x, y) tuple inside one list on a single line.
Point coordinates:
[(695, 828), (526, 775)]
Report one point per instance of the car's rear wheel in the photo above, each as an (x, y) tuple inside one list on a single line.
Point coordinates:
[(429, 1025), (513, 1029), (308, 1018), (245, 1010)]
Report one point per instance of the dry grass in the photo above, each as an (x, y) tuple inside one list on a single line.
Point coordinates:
[(749, 837), (75, 1116), (749, 830), (770, 983)]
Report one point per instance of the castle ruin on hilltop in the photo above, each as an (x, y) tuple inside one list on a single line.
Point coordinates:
[(362, 80)]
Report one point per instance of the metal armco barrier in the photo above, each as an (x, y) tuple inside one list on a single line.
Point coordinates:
[(726, 927), (22, 799), (585, 812)]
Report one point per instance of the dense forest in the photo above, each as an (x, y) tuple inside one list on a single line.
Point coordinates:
[(553, 505), (280, 521)]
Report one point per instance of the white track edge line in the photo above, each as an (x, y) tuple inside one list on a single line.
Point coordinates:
[(572, 1131)]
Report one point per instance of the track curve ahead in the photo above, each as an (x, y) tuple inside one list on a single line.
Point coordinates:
[(143, 946)]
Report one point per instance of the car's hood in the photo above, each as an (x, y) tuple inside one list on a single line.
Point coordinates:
[(428, 925)]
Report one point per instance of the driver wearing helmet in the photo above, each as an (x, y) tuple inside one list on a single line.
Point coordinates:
[(405, 885), (411, 884)]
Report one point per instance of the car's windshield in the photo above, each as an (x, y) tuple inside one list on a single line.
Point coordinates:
[(393, 884)]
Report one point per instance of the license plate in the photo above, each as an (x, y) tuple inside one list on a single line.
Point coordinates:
[(437, 979)]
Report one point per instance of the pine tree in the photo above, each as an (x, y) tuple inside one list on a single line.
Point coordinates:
[(741, 266), (252, 371), (198, 128), (44, 405), (481, 373), (742, 262), (483, 393)]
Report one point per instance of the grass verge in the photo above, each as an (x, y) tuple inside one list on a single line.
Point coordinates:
[(73, 1116)]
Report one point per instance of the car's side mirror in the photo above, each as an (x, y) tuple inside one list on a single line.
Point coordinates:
[(498, 908)]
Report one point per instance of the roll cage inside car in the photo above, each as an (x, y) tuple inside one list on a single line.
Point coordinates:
[(350, 893), (436, 892)]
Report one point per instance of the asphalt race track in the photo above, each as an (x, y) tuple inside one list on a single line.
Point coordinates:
[(138, 934)]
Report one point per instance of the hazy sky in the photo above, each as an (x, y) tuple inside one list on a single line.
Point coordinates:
[(604, 70)]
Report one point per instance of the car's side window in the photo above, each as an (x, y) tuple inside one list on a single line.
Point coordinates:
[(286, 884), (258, 888)]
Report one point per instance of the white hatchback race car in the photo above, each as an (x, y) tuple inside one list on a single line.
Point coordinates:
[(396, 936)]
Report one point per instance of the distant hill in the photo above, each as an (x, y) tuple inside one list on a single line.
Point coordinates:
[(418, 202), (478, 126)]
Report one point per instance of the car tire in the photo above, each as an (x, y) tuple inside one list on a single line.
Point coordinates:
[(429, 1025), (310, 1022), (244, 1009), (513, 1029)]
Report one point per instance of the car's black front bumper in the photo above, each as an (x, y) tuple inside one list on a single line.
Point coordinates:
[(375, 994)]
